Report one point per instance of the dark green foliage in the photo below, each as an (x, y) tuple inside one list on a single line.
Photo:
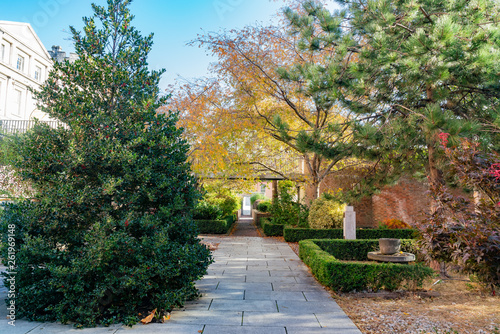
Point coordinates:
[(284, 211), (231, 219), (206, 210), (110, 234), (264, 206), (272, 230), (214, 226), (355, 276), (296, 234)]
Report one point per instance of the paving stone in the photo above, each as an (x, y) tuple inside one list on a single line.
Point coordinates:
[(199, 304), (279, 319), (290, 274), (257, 275), (21, 326), (275, 295), (296, 287), (55, 328), (224, 294), (243, 330), (317, 295), (334, 320), (306, 280), (293, 306), (232, 318), (245, 286), (161, 329), (244, 305), (207, 286), (270, 279)]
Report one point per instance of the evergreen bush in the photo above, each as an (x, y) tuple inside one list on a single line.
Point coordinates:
[(264, 206), (206, 210), (285, 211), (110, 232)]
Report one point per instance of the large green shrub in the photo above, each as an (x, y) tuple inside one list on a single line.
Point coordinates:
[(325, 213), (110, 234), (206, 210), (284, 210), (264, 206), (342, 275)]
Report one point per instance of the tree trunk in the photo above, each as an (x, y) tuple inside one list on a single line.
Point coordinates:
[(435, 175)]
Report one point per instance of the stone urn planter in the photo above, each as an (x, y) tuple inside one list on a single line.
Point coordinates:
[(389, 246), (390, 252)]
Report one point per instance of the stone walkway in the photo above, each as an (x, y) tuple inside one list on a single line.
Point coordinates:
[(255, 286)]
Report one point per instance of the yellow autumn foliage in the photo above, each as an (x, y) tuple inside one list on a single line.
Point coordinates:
[(325, 213)]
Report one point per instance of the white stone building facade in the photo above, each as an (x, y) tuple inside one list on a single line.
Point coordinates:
[(24, 62)]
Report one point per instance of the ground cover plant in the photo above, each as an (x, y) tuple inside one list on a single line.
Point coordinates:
[(109, 233)]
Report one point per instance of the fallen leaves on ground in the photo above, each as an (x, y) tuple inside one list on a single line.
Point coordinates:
[(149, 318)]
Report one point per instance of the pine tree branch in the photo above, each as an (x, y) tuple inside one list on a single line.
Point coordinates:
[(404, 27), (426, 15)]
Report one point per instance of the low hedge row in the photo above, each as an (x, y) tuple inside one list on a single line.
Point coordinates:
[(297, 234), (340, 274), (270, 229), (215, 226), (273, 230)]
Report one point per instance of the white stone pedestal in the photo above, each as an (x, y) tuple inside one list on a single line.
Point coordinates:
[(349, 223)]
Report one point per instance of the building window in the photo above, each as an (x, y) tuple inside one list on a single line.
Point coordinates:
[(263, 188), (38, 73), (20, 63), (18, 95), (1, 100), (2, 52)]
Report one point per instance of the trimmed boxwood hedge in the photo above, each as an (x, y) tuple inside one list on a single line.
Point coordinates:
[(272, 230), (296, 234), (215, 226), (329, 262)]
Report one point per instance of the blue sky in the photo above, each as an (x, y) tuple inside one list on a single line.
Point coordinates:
[(173, 22)]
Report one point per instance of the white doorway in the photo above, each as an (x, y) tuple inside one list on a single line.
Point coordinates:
[(246, 207)]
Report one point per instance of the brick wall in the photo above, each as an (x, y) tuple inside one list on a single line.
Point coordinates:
[(407, 200)]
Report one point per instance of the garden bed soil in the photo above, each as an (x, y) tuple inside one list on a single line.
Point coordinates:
[(450, 306)]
